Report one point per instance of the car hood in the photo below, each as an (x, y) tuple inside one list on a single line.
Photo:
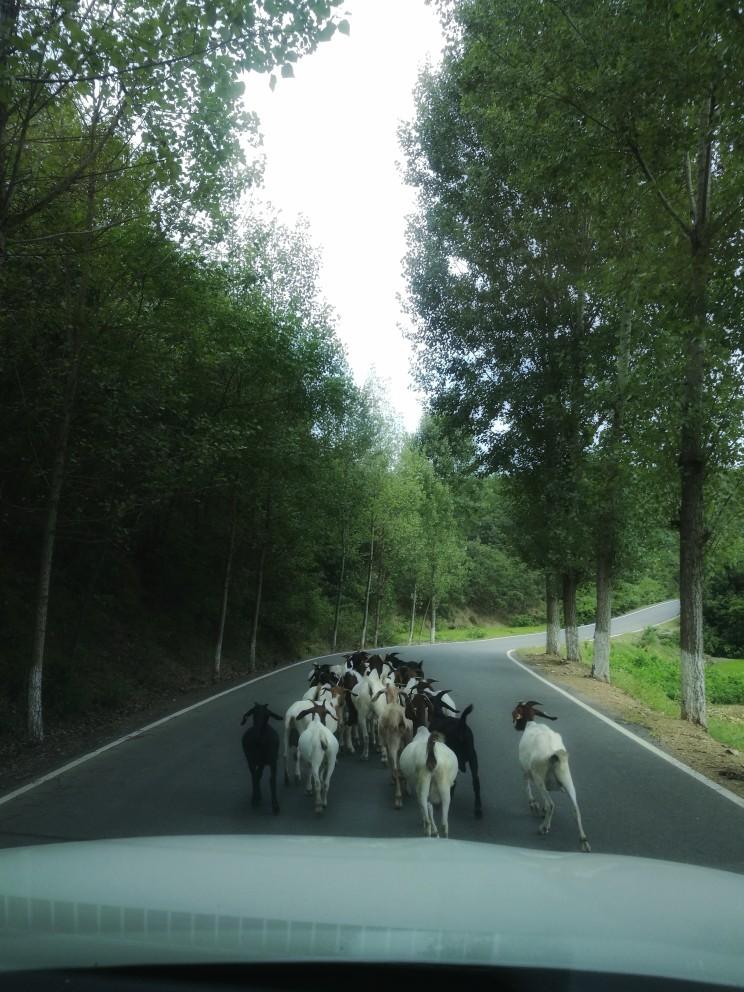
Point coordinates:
[(236, 898)]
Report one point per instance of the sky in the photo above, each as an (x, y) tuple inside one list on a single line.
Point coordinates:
[(331, 147)]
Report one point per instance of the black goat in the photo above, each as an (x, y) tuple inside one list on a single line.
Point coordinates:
[(261, 748), (459, 737)]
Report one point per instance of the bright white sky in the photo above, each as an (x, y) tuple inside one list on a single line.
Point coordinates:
[(331, 146)]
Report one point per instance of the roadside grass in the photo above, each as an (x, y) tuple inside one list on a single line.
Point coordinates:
[(646, 666), (466, 633)]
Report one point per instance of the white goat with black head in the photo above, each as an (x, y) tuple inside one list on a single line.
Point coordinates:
[(544, 761)]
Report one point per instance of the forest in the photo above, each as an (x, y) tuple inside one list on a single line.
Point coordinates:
[(192, 484)]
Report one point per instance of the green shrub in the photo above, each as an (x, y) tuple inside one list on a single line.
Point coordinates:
[(724, 688), (724, 613)]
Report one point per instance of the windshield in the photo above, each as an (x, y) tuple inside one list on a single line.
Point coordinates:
[(371, 379)]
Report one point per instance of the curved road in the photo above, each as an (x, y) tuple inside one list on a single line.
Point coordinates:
[(188, 775)]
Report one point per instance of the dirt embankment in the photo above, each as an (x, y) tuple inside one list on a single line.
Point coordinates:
[(692, 745)]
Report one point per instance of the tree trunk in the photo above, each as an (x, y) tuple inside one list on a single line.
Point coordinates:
[(259, 581), (569, 616), (337, 617), (217, 670), (378, 606), (257, 608), (423, 620), (35, 715), (413, 614), (369, 588), (601, 661), (433, 628), (552, 600), (691, 518)]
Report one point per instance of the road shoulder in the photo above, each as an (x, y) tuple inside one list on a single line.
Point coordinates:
[(689, 744)]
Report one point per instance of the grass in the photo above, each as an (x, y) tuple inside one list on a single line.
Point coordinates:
[(468, 633), (646, 666)]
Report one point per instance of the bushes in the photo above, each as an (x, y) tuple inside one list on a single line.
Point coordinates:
[(724, 613), (650, 670)]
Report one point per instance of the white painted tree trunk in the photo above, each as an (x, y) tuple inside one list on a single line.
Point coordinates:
[(380, 591), (569, 616), (552, 600), (601, 660), (217, 669), (413, 614), (257, 608), (363, 639), (35, 715), (337, 618)]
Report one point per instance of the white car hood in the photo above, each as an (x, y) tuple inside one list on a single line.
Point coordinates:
[(247, 898)]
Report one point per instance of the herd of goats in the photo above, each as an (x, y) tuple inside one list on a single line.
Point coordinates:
[(419, 732)]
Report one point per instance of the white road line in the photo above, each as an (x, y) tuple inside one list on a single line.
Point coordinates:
[(634, 737), (150, 726)]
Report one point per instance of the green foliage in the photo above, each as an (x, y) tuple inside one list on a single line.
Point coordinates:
[(649, 670)]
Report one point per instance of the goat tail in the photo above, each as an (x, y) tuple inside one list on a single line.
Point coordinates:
[(431, 758), (466, 713)]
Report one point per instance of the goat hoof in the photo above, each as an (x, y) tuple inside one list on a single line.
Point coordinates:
[(585, 847), (543, 830)]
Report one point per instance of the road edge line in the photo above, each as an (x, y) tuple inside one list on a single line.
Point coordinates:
[(721, 790), (48, 776)]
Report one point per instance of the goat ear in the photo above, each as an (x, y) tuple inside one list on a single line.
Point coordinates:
[(446, 706), (540, 713), (274, 716)]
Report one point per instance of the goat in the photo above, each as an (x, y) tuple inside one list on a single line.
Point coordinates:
[(261, 748), (362, 698), (419, 710), (432, 766), (294, 724), (544, 761), (319, 748), (459, 737), (395, 732)]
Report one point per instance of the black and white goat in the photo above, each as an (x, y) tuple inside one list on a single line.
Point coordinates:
[(261, 748), (544, 761), (459, 737)]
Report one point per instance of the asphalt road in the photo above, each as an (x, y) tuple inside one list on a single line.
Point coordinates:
[(188, 776)]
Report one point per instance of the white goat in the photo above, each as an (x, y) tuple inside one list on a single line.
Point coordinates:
[(431, 767), (361, 696), (319, 748), (293, 720), (544, 761)]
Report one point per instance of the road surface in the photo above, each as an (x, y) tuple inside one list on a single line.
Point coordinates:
[(188, 775)]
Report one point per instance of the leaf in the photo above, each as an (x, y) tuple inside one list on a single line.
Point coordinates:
[(272, 82), (343, 27), (287, 71)]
